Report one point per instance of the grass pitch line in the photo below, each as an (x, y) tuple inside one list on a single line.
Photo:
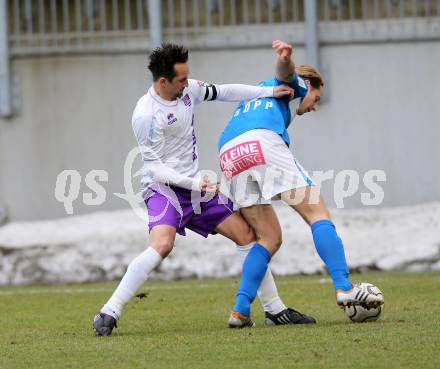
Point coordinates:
[(42, 291)]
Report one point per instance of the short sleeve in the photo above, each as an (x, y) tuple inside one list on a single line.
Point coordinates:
[(299, 85)]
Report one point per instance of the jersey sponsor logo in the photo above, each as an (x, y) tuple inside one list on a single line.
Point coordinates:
[(186, 100), (241, 157), (201, 83), (171, 119)]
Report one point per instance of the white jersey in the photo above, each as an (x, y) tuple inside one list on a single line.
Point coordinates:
[(165, 130)]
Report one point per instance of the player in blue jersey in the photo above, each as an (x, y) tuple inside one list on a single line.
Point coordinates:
[(256, 160)]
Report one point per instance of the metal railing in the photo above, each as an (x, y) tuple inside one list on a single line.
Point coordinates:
[(69, 25), (60, 26), (41, 27)]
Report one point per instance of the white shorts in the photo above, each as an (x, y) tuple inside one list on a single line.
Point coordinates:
[(258, 167)]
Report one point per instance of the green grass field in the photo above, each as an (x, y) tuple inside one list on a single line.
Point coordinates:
[(182, 324)]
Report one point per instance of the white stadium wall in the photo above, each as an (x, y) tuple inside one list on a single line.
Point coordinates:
[(382, 112)]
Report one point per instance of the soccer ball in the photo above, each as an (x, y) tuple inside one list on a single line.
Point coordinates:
[(363, 313)]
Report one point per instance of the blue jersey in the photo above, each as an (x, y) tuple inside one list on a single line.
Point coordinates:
[(264, 113)]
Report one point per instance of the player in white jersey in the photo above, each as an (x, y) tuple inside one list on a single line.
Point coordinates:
[(255, 158), (163, 123)]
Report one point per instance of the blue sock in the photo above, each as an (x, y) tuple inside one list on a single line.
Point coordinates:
[(331, 250), (254, 269)]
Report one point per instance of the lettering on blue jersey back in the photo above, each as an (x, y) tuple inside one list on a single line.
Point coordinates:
[(253, 105)]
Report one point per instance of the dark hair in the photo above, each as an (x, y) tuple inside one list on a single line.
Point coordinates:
[(163, 58)]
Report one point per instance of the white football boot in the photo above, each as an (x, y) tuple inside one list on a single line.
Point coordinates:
[(361, 294)]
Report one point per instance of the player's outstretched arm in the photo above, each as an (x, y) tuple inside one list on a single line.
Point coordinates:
[(235, 92), (285, 68)]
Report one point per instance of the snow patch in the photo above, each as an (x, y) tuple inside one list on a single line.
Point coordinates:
[(99, 246)]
